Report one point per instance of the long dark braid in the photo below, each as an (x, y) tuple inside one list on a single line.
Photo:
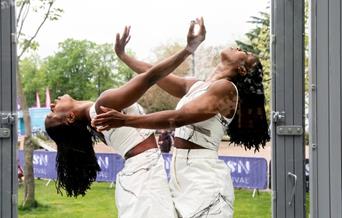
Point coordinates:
[(249, 126), (76, 163)]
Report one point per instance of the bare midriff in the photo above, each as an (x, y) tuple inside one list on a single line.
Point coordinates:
[(184, 144), (145, 145)]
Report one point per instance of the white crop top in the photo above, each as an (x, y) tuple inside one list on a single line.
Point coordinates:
[(208, 134), (125, 138)]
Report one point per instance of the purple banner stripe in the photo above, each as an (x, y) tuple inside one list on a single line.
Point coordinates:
[(247, 172)]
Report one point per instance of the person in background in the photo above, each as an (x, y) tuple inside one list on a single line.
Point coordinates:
[(165, 141), (20, 174)]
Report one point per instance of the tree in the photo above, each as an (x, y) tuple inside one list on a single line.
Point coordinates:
[(70, 69), (156, 99), (198, 66), (46, 9), (103, 77), (33, 79), (258, 42), (80, 68), (84, 69)]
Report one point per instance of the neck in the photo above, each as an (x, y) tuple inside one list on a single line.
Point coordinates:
[(82, 110), (221, 74)]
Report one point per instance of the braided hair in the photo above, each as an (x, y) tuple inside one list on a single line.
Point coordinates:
[(76, 163), (249, 126)]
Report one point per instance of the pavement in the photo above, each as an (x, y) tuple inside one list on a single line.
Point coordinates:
[(225, 150)]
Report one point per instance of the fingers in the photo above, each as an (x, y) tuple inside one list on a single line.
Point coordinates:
[(98, 121), (202, 26), (199, 21), (191, 28), (124, 37), (126, 32), (102, 121), (127, 40), (101, 124), (103, 116), (103, 128), (106, 109), (117, 40), (108, 119)]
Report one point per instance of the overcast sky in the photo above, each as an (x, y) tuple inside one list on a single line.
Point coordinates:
[(153, 22)]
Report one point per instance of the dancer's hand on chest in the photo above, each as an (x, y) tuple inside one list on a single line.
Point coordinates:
[(110, 118)]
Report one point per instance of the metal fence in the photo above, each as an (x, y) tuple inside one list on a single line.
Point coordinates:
[(8, 132)]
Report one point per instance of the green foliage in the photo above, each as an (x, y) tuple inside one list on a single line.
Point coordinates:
[(105, 62), (33, 78), (80, 68), (69, 70), (258, 42), (123, 73)]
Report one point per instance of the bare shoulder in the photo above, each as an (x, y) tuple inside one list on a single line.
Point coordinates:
[(223, 88), (226, 95), (188, 83), (110, 98)]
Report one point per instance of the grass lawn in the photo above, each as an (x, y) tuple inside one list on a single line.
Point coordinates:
[(99, 203), (245, 206)]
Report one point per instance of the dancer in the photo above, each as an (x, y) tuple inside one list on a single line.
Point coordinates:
[(142, 189), (232, 99)]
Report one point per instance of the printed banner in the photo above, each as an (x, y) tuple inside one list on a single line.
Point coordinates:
[(246, 172), (44, 163)]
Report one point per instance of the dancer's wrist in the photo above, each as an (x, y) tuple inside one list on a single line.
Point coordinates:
[(122, 55), (190, 49), (130, 121)]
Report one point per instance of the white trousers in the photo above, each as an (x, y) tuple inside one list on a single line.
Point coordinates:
[(142, 190), (201, 184)]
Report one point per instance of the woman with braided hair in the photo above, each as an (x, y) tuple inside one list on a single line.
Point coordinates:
[(142, 190), (231, 99)]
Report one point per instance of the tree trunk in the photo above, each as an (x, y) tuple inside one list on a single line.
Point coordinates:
[(29, 198), (29, 186)]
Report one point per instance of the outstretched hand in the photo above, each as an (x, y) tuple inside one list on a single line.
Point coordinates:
[(194, 40), (121, 41), (109, 119)]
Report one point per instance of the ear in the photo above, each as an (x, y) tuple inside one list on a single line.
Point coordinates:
[(242, 70), (70, 118)]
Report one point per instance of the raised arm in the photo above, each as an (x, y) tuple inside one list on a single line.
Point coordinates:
[(174, 85), (130, 92), (120, 45), (220, 98)]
